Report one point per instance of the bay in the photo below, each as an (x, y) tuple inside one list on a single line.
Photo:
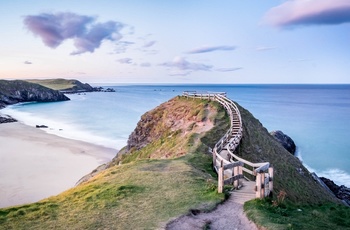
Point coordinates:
[(316, 117)]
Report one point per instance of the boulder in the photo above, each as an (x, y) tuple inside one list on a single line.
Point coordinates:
[(284, 140), (6, 119), (342, 192)]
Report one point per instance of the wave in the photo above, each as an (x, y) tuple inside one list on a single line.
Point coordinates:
[(338, 176), (63, 128)]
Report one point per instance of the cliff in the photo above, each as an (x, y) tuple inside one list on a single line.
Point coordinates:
[(12, 92), (64, 85)]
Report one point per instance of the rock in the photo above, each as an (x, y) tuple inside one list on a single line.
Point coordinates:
[(41, 126), (342, 192), (6, 119), (101, 89), (284, 140)]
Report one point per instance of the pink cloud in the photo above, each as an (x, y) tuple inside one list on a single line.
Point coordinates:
[(309, 12), (53, 29)]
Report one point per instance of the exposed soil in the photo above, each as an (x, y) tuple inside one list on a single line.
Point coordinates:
[(228, 215)]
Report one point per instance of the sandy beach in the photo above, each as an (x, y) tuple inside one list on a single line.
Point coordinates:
[(35, 165)]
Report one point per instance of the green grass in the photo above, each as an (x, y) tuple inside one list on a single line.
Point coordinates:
[(291, 216), (55, 84), (139, 195)]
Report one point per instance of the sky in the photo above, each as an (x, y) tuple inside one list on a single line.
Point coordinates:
[(184, 41)]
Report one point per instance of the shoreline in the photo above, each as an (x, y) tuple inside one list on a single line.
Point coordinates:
[(35, 164)]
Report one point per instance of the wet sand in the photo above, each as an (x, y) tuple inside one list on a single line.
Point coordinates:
[(35, 165)]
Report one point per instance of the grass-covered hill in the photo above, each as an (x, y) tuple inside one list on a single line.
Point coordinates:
[(69, 85), (165, 171), (144, 188), (15, 91), (290, 175)]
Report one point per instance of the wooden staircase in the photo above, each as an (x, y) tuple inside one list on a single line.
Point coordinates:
[(230, 167)]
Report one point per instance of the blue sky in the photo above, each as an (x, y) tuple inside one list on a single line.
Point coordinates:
[(192, 41)]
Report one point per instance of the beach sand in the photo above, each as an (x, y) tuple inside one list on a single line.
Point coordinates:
[(35, 165)]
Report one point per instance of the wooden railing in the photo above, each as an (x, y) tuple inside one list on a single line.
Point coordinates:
[(228, 165)]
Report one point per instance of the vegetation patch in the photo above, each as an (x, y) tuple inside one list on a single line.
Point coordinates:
[(56, 84), (266, 214)]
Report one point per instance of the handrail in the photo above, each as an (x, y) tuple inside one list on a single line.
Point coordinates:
[(229, 142)]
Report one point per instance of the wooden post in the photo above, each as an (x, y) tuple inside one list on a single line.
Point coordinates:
[(240, 172), (235, 173), (258, 186), (214, 158), (271, 179), (262, 175), (221, 177)]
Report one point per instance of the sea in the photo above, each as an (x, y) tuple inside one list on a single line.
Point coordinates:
[(316, 117)]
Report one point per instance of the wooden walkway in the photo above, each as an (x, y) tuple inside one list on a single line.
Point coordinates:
[(245, 193), (231, 168)]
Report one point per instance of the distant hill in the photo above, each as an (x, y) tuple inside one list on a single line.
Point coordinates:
[(64, 85), (12, 92)]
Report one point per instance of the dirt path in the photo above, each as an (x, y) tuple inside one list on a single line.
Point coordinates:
[(228, 215)]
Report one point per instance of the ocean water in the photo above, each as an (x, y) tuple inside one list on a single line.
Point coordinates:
[(316, 117)]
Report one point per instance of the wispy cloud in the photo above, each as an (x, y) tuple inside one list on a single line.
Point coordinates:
[(145, 64), (207, 49), (125, 61), (180, 66), (122, 46), (53, 29), (149, 44), (309, 12), (228, 69), (265, 48), (28, 62)]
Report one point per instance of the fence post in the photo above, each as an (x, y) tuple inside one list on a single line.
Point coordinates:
[(240, 172), (262, 175), (235, 182), (221, 177), (258, 186), (271, 179), (214, 157)]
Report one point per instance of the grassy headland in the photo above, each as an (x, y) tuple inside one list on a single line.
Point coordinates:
[(164, 171), (62, 84), (139, 190)]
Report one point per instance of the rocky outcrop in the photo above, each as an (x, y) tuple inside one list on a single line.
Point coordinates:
[(12, 92), (284, 140), (78, 87), (6, 119), (342, 192)]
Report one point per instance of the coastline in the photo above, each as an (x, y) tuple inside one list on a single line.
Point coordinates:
[(35, 165)]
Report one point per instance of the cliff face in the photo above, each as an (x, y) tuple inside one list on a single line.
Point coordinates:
[(176, 119), (12, 92), (65, 85)]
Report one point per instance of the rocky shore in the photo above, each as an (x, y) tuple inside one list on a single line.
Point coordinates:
[(342, 192), (6, 119)]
